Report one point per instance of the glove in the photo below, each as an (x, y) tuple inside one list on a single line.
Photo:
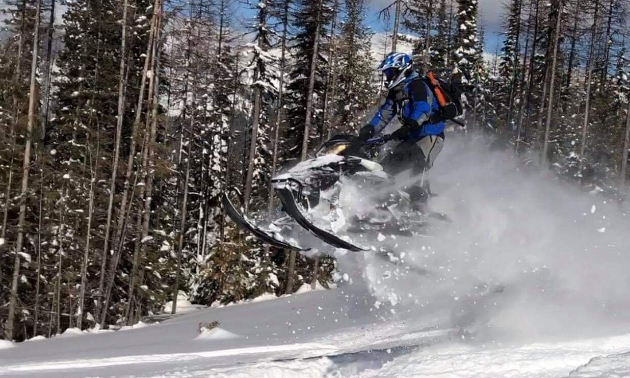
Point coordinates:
[(402, 133), (365, 133)]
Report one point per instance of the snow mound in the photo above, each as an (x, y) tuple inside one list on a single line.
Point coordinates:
[(37, 338), (610, 366), (217, 334), (72, 332), (4, 344), (307, 288), (183, 304), (135, 326), (265, 297)]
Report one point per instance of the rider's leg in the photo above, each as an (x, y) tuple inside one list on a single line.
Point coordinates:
[(428, 148)]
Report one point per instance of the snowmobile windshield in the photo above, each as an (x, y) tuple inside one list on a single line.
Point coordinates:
[(333, 148)]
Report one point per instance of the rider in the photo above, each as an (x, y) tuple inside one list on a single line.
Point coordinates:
[(421, 135)]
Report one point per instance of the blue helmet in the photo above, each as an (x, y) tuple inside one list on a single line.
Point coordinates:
[(395, 67)]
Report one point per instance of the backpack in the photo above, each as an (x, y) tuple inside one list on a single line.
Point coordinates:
[(448, 96)]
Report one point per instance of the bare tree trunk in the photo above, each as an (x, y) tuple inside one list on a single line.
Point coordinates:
[(527, 101), (556, 42), (572, 50), (149, 168), (14, 122), (289, 289), (626, 145), (331, 76), (46, 102), (39, 251), (122, 83), (396, 25), (262, 22), (311, 84), (182, 226), (86, 253), (315, 277), (589, 79), (25, 174), (280, 102)]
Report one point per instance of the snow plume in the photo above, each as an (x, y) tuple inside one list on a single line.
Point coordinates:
[(525, 257)]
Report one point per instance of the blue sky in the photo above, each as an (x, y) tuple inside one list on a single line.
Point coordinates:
[(491, 14)]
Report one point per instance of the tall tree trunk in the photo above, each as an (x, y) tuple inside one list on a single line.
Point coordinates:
[(574, 37), (527, 101), (182, 226), (554, 62), (280, 102), (149, 168), (626, 145), (331, 76), (589, 79), (607, 45), (515, 67), (311, 83), (262, 22), (39, 251), (16, 82), (122, 84), (86, 253), (290, 272), (396, 25), (25, 175), (46, 101)]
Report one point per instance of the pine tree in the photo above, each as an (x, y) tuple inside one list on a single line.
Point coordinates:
[(355, 69), (310, 20), (509, 63), (466, 55)]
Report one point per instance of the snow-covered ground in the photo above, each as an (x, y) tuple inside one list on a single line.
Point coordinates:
[(315, 334), (527, 279)]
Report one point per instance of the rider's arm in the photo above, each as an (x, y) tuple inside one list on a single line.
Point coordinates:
[(384, 115), (421, 110)]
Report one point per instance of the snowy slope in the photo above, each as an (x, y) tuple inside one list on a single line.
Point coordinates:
[(317, 334)]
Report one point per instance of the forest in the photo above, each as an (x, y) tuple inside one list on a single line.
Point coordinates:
[(122, 123)]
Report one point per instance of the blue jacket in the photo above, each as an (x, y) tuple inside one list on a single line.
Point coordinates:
[(413, 103)]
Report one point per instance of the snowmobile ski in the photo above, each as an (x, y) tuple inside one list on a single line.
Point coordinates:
[(291, 207), (266, 236)]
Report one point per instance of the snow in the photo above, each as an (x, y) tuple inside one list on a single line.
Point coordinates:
[(2, 241), (4, 344), (265, 297), (72, 332), (216, 334), (305, 288), (317, 334), (183, 304), (516, 284)]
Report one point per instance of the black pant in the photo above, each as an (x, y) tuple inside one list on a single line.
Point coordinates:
[(409, 154)]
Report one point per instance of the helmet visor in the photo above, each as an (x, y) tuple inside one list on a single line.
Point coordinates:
[(390, 73)]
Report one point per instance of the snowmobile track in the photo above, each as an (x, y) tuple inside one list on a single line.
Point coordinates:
[(291, 208), (267, 237)]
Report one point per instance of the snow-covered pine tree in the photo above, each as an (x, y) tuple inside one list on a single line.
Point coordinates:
[(310, 19), (466, 56), (263, 79), (420, 19), (509, 66), (356, 68), (442, 46)]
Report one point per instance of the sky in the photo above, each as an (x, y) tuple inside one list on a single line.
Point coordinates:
[(491, 14)]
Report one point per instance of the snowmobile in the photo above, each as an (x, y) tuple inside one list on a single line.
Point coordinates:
[(310, 192)]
